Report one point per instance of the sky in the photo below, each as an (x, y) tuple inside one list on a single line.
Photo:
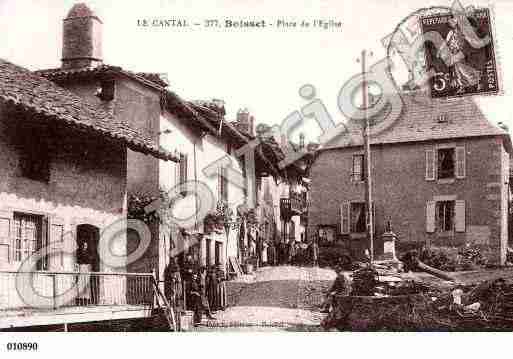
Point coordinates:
[(261, 70)]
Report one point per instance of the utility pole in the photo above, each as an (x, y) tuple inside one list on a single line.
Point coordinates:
[(367, 161)]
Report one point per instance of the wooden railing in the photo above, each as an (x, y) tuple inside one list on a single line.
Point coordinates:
[(294, 205), (52, 290)]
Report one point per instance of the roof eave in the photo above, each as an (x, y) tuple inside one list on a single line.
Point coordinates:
[(133, 145)]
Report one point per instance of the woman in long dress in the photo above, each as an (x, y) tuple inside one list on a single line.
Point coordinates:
[(83, 280), (173, 284), (222, 301), (463, 75), (212, 288)]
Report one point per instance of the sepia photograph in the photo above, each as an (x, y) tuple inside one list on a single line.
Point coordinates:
[(255, 167)]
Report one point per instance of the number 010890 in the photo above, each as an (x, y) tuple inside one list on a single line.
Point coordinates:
[(22, 346)]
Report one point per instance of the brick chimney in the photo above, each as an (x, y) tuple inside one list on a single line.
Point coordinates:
[(245, 122), (81, 38)]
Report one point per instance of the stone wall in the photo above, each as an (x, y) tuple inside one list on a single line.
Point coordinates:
[(87, 182), (400, 191), (87, 185)]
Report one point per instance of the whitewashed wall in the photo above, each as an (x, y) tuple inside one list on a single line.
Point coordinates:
[(176, 135)]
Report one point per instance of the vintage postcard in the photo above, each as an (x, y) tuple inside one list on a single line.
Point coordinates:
[(252, 166)]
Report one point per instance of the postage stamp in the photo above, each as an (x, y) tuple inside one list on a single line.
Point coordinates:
[(464, 62)]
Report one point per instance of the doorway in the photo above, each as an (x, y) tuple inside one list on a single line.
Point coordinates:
[(88, 261)]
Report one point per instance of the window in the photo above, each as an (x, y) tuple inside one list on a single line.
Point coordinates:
[(358, 218), (446, 163), (358, 168), (30, 235), (182, 176), (106, 90), (445, 216), (223, 184), (34, 159)]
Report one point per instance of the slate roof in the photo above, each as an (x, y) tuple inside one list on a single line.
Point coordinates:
[(419, 121), (24, 88)]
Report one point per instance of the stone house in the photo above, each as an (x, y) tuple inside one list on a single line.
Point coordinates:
[(134, 99), (63, 183), (440, 176), (202, 141), (213, 161), (209, 168), (284, 198)]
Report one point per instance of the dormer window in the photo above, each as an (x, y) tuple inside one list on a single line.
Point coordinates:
[(106, 90)]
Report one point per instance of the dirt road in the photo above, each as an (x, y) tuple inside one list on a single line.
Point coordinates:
[(284, 298)]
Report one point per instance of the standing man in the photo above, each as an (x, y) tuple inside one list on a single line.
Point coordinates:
[(221, 287), (211, 287), (203, 292), (187, 273), (173, 284), (199, 302)]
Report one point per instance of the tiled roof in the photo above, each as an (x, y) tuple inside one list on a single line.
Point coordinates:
[(22, 87), (149, 79), (157, 79), (214, 116), (420, 121)]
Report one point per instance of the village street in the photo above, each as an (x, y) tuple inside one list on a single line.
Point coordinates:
[(275, 299)]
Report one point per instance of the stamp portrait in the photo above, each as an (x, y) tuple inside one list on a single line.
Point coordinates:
[(466, 63)]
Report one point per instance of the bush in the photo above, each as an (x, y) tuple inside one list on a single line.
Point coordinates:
[(471, 257), (447, 259), (439, 258)]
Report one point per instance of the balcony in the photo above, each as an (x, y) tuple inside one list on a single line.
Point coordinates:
[(295, 205), (49, 298)]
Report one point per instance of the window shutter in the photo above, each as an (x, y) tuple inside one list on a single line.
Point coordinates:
[(182, 173), (344, 217), (182, 165), (459, 216), (6, 236), (186, 169), (42, 263), (57, 240), (460, 162), (430, 216), (430, 165), (224, 179)]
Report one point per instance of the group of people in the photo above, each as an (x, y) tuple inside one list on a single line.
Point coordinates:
[(196, 288), (291, 252)]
